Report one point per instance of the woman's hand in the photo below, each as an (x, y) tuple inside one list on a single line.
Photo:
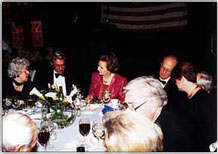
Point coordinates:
[(89, 98)]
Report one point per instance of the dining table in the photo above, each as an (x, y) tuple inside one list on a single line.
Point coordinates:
[(69, 138)]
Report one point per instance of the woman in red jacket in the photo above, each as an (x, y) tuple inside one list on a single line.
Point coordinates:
[(106, 79)]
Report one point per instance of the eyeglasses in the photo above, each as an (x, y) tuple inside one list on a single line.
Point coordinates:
[(25, 71), (139, 106), (59, 66), (165, 69), (127, 106)]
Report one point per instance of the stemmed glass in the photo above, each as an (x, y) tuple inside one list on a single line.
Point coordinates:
[(106, 96), (44, 134), (77, 104), (84, 126), (98, 130)]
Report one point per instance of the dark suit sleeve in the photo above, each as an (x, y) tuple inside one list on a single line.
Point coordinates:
[(206, 114)]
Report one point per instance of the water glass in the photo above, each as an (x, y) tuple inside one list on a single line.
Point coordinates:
[(106, 96), (98, 130)]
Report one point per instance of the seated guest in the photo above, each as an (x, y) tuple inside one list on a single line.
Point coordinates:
[(17, 84), (19, 133), (198, 107), (128, 131), (205, 80), (146, 96), (165, 77), (56, 74), (107, 79)]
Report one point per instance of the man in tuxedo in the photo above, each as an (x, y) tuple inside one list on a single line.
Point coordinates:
[(167, 65), (56, 74)]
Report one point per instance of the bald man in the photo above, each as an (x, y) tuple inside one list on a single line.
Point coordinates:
[(166, 68)]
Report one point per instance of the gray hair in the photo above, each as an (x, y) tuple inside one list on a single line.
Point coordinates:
[(18, 130), (129, 131), (205, 80), (16, 66), (147, 89), (58, 55)]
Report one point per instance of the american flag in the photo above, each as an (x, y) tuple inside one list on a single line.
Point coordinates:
[(145, 16)]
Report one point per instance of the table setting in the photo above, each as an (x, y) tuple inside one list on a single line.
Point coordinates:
[(67, 124)]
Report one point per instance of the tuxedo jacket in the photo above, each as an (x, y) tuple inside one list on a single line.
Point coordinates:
[(177, 137), (45, 77), (172, 93)]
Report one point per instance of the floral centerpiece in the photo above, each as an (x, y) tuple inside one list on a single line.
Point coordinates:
[(61, 108)]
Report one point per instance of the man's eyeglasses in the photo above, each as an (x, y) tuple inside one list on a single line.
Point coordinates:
[(127, 106), (59, 66), (164, 69)]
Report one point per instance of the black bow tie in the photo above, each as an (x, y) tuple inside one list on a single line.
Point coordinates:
[(57, 75), (163, 82)]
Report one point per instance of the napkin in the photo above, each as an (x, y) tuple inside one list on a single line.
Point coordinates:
[(107, 109)]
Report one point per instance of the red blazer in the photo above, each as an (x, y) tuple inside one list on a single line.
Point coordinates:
[(115, 88)]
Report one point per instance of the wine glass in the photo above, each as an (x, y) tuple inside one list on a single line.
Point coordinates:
[(106, 96), (84, 126), (98, 130), (44, 111), (44, 134), (30, 101), (77, 104), (80, 148)]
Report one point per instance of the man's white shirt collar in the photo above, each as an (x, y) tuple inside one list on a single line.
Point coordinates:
[(60, 81), (166, 80)]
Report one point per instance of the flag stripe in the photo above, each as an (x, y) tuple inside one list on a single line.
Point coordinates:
[(135, 4), (154, 30), (153, 26), (129, 22), (146, 13), (145, 10), (147, 18)]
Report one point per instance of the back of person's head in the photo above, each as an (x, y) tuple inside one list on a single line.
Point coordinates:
[(145, 93), (205, 80), (187, 70), (19, 133), (112, 61), (128, 131), (58, 55)]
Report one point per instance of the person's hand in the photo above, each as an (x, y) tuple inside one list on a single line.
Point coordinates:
[(89, 98)]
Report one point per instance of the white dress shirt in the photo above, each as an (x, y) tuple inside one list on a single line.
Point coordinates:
[(60, 81), (166, 80)]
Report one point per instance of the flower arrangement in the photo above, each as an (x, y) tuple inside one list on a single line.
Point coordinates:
[(62, 107)]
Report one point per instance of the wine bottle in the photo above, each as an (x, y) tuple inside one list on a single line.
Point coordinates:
[(49, 90), (61, 95)]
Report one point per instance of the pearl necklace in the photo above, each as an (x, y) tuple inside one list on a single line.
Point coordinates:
[(108, 80)]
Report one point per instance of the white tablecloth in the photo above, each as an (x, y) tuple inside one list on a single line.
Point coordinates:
[(67, 139)]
